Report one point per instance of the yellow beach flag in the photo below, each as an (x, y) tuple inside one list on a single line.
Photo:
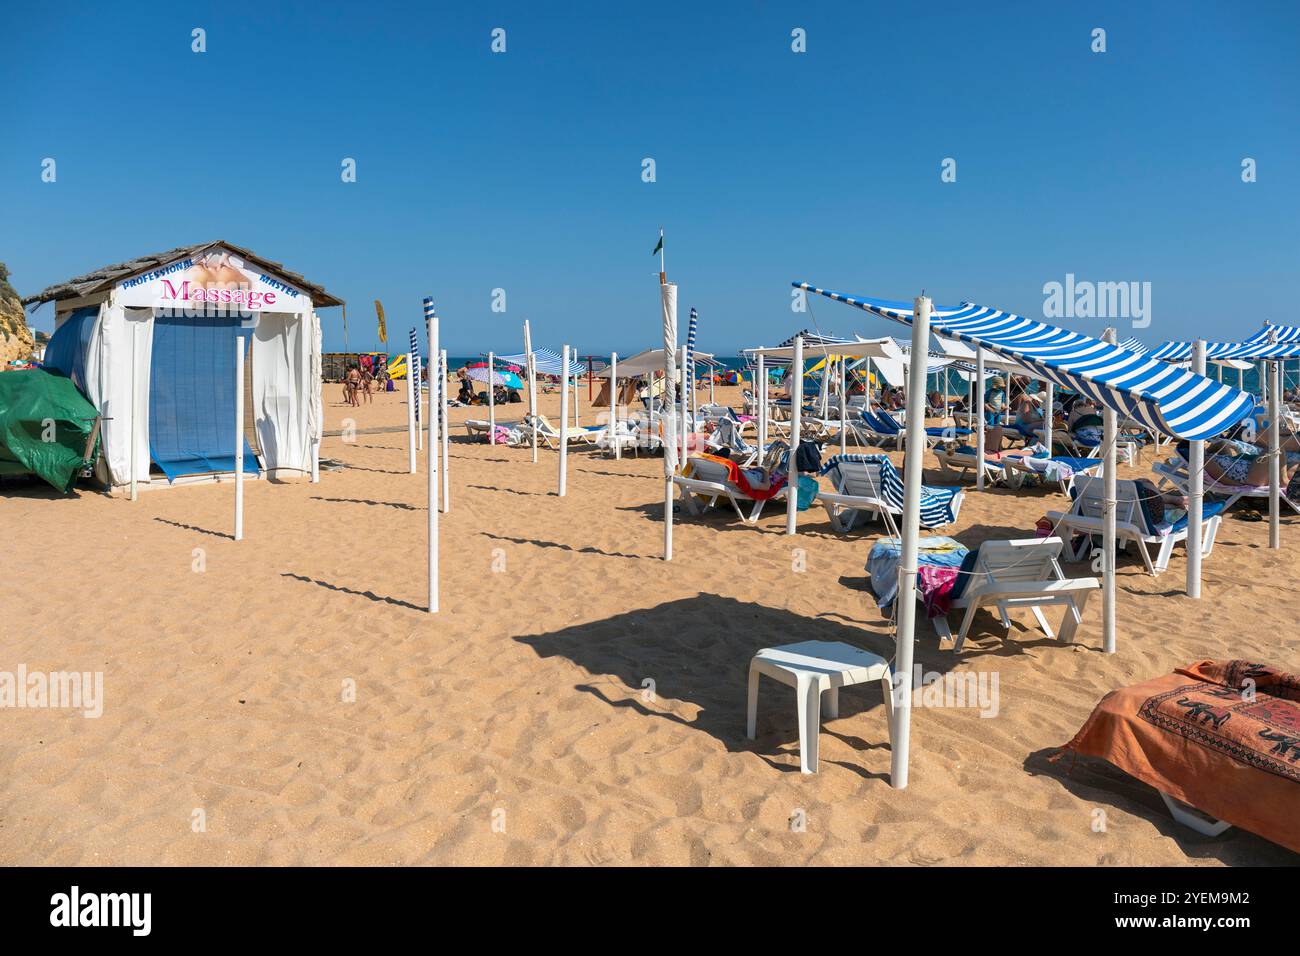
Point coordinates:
[(383, 329)]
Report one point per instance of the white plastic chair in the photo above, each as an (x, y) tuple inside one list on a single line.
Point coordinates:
[(1085, 518), (1021, 574), (857, 494)]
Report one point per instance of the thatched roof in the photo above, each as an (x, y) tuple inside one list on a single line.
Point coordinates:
[(105, 278)]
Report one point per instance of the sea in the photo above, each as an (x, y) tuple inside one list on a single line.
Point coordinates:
[(957, 385)]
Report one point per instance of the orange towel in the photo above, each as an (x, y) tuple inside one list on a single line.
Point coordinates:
[(737, 478), (1223, 736)]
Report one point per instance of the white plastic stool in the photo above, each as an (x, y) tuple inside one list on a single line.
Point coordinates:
[(812, 667)]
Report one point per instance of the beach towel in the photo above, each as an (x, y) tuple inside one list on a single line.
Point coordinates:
[(1223, 736), (738, 478), (933, 553)]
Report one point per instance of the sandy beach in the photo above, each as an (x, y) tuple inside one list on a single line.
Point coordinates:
[(577, 700)]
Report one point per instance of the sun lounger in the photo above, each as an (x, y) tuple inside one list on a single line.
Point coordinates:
[(882, 481), (550, 435), (1020, 574), (481, 426), (961, 461), (727, 435), (858, 493), (1131, 526), (708, 479), (1216, 739), (882, 429), (1173, 472), (1059, 468)]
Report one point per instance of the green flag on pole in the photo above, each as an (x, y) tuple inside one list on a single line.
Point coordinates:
[(659, 245)]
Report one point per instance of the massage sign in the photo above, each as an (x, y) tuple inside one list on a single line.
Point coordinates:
[(215, 283)]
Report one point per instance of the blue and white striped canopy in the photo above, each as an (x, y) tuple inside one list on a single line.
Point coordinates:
[(1182, 351), (547, 362), (815, 338), (1133, 345), (1244, 351), (1276, 333), (809, 338), (1161, 396)]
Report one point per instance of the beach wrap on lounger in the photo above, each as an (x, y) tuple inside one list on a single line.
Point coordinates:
[(737, 477), (1223, 736)]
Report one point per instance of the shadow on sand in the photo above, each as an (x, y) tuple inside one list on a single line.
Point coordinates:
[(697, 652), (368, 595), (189, 527), (1102, 785)]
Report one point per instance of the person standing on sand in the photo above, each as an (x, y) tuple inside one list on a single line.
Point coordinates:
[(350, 385)]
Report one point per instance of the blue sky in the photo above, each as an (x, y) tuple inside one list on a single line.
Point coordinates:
[(522, 170)]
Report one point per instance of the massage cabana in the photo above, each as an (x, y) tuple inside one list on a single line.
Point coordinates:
[(1178, 403), (152, 344)]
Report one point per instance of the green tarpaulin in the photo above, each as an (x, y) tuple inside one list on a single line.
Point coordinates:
[(45, 424)]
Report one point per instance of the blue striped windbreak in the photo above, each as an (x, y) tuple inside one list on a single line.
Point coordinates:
[(414, 372), (688, 379), (1163, 397)]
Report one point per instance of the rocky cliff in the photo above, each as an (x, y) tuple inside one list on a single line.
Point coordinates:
[(15, 336)]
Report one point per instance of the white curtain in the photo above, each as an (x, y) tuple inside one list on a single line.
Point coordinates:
[(121, 336), (283, 394)]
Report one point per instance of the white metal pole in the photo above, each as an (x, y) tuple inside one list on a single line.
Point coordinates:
[(979, 434), (910, 529), (564, 425), (844, 407), (613, 406), (695, 392), (135, 411), (685, 401), (443, 430), (532, 386), (576, 376), (239, 438), (796, 414), (668, 303), (431, 448), (1195, 491), (868, 405), (760, 393), (492, 400), (1049, 414), (1274, 460), (713, 374), (412, 396), (1109, 489)]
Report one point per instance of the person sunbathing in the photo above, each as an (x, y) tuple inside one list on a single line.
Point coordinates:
[(1235, 462)]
